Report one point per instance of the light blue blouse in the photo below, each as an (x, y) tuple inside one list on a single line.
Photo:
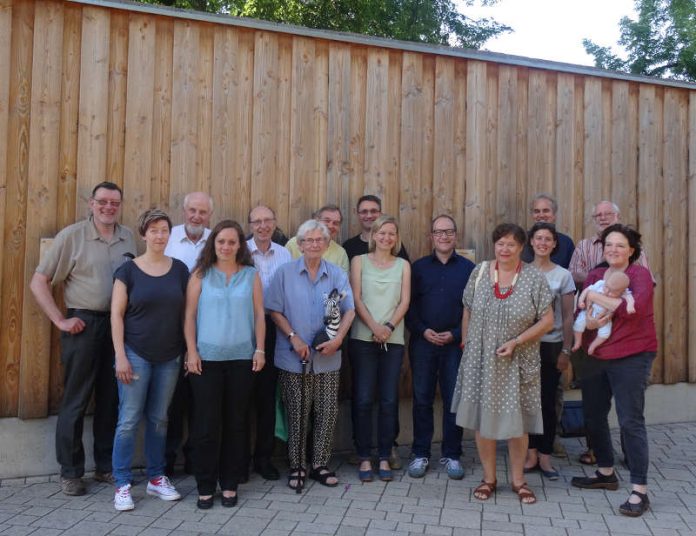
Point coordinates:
[(225, 323)]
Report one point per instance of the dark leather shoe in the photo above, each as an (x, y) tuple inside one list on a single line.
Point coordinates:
[(229, 502), (599, 481), (638, 509), (205, 504), (267, 471)]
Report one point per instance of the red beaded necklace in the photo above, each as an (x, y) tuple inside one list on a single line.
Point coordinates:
[(496, 287)]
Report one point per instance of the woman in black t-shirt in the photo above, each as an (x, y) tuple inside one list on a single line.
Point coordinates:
[(147, 307)]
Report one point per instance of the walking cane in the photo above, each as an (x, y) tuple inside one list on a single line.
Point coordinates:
[(303, 432)]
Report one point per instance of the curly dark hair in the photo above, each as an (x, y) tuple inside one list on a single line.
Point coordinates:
[(550, 227), (513, 229), (633, 237), (208, 256)]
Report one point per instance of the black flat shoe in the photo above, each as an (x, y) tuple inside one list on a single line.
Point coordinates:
[(638, 509), (599, 481), (229, 502), (205, 504)]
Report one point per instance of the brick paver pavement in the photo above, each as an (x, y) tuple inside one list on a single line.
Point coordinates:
[(433, 505)]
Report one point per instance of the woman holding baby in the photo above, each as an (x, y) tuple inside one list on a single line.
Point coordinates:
[(620, 366)]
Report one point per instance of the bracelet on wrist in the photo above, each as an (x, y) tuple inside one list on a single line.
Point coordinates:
[(257, 351), (390, 326), (291, 334), (565, 351)]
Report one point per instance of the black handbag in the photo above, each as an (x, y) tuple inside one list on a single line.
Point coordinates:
[(572, 420)]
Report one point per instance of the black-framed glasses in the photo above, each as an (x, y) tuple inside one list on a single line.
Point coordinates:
[(439, 233)]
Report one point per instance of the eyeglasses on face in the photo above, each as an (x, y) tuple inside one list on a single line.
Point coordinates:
[(603, 215), (313, 241), (109, 202), (265, 221), (439, 233)]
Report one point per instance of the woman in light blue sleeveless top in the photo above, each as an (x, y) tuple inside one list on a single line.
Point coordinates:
[(225, 332), (381, 284)]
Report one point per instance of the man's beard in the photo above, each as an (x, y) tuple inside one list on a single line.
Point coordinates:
[(194, 231)]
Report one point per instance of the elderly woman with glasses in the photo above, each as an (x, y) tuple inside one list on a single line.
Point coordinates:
[(297, 301)]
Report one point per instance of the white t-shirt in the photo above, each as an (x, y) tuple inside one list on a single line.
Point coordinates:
[(561, 283)]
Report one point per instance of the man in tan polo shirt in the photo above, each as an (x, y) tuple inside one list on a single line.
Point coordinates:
[(83, 258)]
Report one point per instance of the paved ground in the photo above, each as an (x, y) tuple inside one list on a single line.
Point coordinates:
[(433, 505)]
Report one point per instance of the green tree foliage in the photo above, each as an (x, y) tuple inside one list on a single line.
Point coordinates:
[(426, 21), (660, 42)]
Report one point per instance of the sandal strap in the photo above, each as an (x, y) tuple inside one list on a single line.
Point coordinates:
[(642, 496)]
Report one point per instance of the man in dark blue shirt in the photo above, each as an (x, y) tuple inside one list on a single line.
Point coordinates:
[(435, 321), (544, 208)]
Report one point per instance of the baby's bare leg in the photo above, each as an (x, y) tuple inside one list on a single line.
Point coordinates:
[(577, 340), (595, 343)]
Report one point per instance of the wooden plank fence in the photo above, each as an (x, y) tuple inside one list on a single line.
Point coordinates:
[(163, 103)]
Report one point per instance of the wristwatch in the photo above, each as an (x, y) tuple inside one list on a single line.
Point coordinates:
[(291, 335), (389, 325), (565, 351)]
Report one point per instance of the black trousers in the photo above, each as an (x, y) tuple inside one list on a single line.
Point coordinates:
[(550, 376), (221, 396), (264, 400), (88, 366)]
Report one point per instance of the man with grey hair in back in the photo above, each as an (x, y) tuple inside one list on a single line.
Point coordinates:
[(544, 209), (588, 253), (332, 217), (186, 242)]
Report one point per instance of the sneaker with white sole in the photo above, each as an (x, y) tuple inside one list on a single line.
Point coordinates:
[(454, 468), (122, 499), (162, 487), (418, 467)]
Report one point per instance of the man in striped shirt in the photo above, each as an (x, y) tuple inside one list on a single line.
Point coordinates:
[(267, 256), (588, 252)]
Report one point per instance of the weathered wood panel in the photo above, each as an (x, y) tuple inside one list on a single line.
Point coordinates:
[(15, 213), (42, 176), (163, 106)]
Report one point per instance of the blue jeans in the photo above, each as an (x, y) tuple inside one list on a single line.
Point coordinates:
[(626, 379), (375, 368), (428, 364), (150, 396)]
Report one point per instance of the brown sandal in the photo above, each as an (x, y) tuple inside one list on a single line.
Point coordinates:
[(525, 494), (587, 458), (485, 489)]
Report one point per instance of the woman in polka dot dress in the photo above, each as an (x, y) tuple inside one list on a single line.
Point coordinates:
[(507, 308)]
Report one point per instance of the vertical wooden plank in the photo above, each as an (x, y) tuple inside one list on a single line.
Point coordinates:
[(138, 120), (118, 77), (94, 102), (377, 120), (204, 140), (391, 203), (338, 166), (567, 190), (582, 221), (492, 186), (413, 185), (20, 79), (460, 149), (624, 147), (184, 126), (506, 144), (523, 193), (291, 214), (5, 70), (420, 243), (320, 125), (674, 239), (650, 201), (444, 147), (691, 210), (162, 115), (541, 136), (476, 160), (67, 183), (303, 177), (43, 171), (594, 184), (232, 119), (358, 127)]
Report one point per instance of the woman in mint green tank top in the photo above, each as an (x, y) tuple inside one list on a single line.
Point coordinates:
[(381, 284)]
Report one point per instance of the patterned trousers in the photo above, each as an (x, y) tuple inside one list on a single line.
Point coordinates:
[(321, 393)]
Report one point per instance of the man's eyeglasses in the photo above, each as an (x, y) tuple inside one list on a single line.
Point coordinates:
[(439, 233), (105, 202), (265, 221), (603, 215)]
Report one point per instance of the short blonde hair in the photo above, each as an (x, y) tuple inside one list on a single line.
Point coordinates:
[(377, 225)]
